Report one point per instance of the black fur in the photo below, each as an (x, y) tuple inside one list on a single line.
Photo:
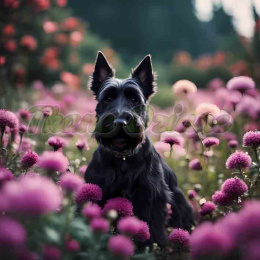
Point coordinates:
[(125, 163)]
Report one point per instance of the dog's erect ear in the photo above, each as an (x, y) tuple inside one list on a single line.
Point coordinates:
[(103, 71), (145, 76)]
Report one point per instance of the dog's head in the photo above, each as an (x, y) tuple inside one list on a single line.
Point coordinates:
[(121, 111)]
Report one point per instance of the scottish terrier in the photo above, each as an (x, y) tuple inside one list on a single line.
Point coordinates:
[(125, 163)]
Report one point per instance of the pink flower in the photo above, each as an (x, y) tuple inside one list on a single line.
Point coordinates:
[(51, 253), (72, 245), (252, 138), (32, 195), (210, 141), (122, 205), (234, 187), (184, 87), (172, 138), (241, 83), (29, 42), (91, 211), (9, 119), (206, 109), (22, 129), (50, 27), (29, 159), (121, 246), (238, 160), (162, 148), (180, 238), (207, 208), (5, 175), (82, 170), (88, 192), (53, 161), (24, 114), (222, 199), (71, 182), (192, 194), (195, 164), (130, 226), (99, 225), (144, 233), (82, 144), (233, 144), (56, 142)]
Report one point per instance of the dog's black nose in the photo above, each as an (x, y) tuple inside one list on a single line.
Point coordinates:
[(120, 121)]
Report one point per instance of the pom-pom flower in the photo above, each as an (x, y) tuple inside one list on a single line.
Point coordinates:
[(210, 141), (195, 165), (222, 199), (192, 194), (252, 138), (71, 182), (234, 187), (207, 208), (56, 142), (184, 87), (99, 225), (22, 129), (9, 119), (172, 138), (241, 83), (53, 161), (5, 175), (238, 160), (130, 226), (32, 195), (180, 238), (206, 109), (91, 211), (143, 234), (29, 159), (233, 144), (122, 205), (88, 192), (121, 246)]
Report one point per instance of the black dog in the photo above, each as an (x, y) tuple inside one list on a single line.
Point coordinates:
[(125, 163)]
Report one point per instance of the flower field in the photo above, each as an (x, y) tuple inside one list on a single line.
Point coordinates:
[(209, 136)]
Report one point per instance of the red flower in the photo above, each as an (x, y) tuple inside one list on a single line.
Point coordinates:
[(29, 42), (8, 30), (10, 45)]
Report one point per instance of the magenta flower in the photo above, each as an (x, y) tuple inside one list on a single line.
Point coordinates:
[(210, 141), (5, 175), (238, 160), (207, 208), (241, 83), (252, 138), (32, 195), (24, 114), (91, 211), (82, 144), (130, 226), (72, 245), (12, 233), (88, 192), (234, 187), (144, 233), (51, 253), (99, 225), (82, 170), (56, 142), (9, 119), (122, 205), (71, 182), (53, 161), (180, 238), (172, 138), (233, 144), (192, 194), (29, 159), (222, 199), (22, 129), (195, 165), (47, 111), (121, 246)]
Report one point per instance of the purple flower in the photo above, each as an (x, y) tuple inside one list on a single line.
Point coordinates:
[(99, 225), (24, 114), (144, 233), (91, 211), (22, 129), (5, 175), (71, 182), (121, 246), (195, 164), (51, 253), (233, 144), (207, 208), (88, 192), (82, 144), (252, 138), (180, 238), (241, 83), (29, 159), (56, 142), (72, 245), (47, 111), (238, 160), (210, 141), (130, 226), (53, 161), (222, 199), (172, 138), (9, 119), (192, 194), (122, 205), (12, 233), (234, 187), (32, 195)]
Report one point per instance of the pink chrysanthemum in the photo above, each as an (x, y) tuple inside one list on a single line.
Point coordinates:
[(88, 192), (234, 187), (56, 142), (180, 238), (91, 211), (207, 208), (252, 138), (5, 175), (29, 159), (12, 233), (122, 205), (71, 182), (241, 83), (53, 161), (144, 233), (9, 119), (222, 199), (192, 194), (184, 87), (99, 225), (238, 160), (130, 226), (206, 109), (210, 141), (172, 138), (32, 195), (195, 164), (121, 246), (51, 252), (233, 144)]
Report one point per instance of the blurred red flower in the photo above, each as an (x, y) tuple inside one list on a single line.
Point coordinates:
[(61, 3), (50, 27), (70, 23), (61, 38), (12, 3), (29, 42), (70, 79), (8, 30), (2, 60), (88, 68), (10, 45), (75, 38)]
